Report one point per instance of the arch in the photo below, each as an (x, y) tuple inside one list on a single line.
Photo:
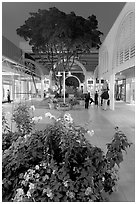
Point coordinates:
[(74, 77), (80, 65)]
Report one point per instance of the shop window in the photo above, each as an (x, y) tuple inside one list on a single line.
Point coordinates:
[(102, 81)]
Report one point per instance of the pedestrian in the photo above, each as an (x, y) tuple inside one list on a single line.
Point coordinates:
[(87, 98), (96, 98), (44, 94), (8, 96), (105, 97)]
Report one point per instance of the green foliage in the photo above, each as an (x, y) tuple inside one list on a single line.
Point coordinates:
[(61, 36), (5, 125), (58, 165), (116, 147), (23, 119)]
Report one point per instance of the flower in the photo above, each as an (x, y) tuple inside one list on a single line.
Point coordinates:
[(31, 186), (91, 133), (49, 192), (32, 108), (68, 118), (20, 191), (103, 179), (37, 167), (65, 183), (23, 182), (40, 118), (53, 172), (88, 190), (70, 194), (19, 196), (28, 194), (35, 119), (50, 115)]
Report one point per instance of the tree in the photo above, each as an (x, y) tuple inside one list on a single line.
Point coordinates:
[(62, 37)]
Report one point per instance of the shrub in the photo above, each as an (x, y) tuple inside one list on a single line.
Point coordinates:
[(59, 164), (5, 125), (23, 119)]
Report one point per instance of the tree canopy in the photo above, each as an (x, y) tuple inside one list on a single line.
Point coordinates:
[(56, 33)]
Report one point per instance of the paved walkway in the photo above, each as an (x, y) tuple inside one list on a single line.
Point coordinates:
[(103, 124)]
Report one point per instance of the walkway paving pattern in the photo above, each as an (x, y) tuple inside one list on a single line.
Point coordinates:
[(103, 124)]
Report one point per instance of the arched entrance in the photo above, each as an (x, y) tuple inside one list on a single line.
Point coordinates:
[(72, 84), (72, 81)]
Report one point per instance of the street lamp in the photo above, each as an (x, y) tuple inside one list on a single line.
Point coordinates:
[(59, 75)]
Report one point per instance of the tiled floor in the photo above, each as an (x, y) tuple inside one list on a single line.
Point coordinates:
[(103, 124)]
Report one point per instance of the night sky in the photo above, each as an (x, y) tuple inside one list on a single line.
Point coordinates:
[(14, 14)]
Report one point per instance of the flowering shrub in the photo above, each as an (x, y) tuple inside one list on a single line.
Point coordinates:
[(23, 119), (59, 164)]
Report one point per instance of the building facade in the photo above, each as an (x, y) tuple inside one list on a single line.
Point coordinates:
[(17, 77), (117, 57)]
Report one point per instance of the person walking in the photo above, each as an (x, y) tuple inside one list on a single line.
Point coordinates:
[(105, 97), (87, 98), (96, 98), (8, 96)]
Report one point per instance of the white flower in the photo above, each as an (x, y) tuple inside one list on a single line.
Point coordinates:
[(71, 194), (88, 190), (103, 179), (32, 108), (37, 167), (91, 133), (23, 182), (53, 172), (40, 118), (65, 183), (31, 186), (28, 194), (20, 191), (35, 119), (50, 115), (68, 118)]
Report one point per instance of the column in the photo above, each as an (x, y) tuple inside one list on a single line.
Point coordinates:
[(85, 84), (42, 87), (13, 88), (100, 92), (111, 91)]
